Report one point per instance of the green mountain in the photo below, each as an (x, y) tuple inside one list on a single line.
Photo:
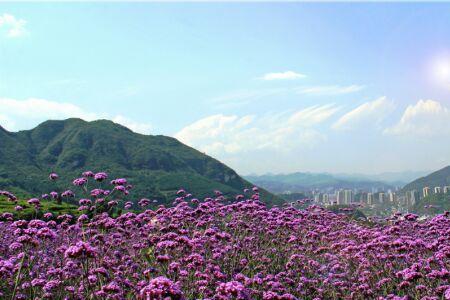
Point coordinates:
[(439, 178), (299, 182), (156, 165)]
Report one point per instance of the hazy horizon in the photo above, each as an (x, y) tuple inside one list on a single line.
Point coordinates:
[(264, 88), (340, 173)]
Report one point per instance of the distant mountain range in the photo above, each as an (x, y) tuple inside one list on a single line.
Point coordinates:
[(438, 178), (393, 178), (156, 165), (300, 182)]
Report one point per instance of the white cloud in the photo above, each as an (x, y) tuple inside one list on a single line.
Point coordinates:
[(143, 128), (42, 109), (366, 115), (329, 90), (12, 26), (425, 118), (224, 135), (313, 115), (22, 114), (288, 75)]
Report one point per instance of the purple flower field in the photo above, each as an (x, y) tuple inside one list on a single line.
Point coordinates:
[(217, 249)]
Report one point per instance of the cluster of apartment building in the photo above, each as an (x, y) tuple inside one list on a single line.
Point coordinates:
[(437, 190), (348, 196), (413, 196), (395, 199)]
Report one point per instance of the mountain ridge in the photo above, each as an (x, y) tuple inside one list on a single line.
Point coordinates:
[(157, 165), (440, 178), (399, 178)]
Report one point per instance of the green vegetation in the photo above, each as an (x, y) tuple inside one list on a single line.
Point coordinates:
[(433, 204), (156, 165), (293, 196), (348, 210), (29, 211)]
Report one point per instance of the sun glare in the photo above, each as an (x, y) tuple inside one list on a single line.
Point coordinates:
[(441, 70)]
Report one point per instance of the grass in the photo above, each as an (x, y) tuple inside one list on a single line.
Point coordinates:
[(29, 211)]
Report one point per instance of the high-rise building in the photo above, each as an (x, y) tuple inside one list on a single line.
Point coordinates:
[(369, 198), (326, 199), (381, 197), (416, 195), (446, 189), (332, 199), (412, 197), (437, 189), (426, 191), (318, 198), (348, 196), (361, 197), (392, 197), (340, 197)]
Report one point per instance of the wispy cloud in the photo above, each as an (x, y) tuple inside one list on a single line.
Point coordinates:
[(242, 97), (288, 75), (426, 118), (21, 114), (329, 90), (12, 27), (366, 115), (313, 115)]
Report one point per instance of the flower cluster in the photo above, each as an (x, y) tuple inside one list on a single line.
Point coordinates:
[(220, 248), (8, 195)]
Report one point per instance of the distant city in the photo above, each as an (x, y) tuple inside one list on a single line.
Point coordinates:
[(390, 201)]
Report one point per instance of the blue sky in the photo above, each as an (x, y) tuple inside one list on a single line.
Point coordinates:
[(263, 87)]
